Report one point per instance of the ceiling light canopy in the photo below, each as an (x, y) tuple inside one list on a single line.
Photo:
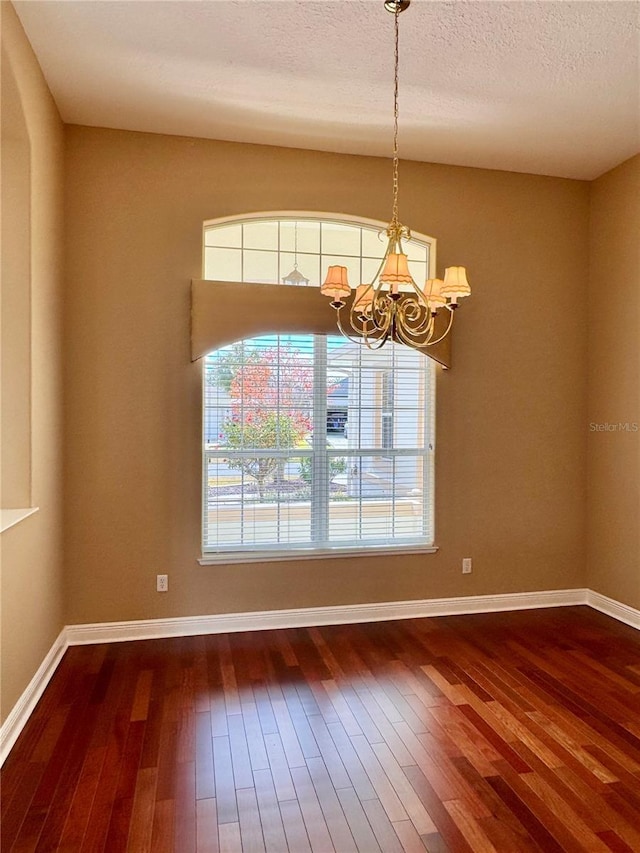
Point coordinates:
[(393, 306)]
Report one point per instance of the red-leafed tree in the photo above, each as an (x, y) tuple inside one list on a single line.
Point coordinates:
[(270, 393)]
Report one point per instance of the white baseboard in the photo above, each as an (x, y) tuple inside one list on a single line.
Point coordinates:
[(611, 607), (186, 626), (22, 710)]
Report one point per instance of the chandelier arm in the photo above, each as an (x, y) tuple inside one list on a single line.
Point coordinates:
[(418, 344), (413, 312), (371, 285), (445, 333), (363, 340), (383, 311), (414, 315), (429, 341), (415, 337), (381, 318), (379, 342)]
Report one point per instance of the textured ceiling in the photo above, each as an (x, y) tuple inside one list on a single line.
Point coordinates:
[(544, 87)]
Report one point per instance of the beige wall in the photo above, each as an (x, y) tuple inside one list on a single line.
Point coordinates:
[(511, 442), (614, 385), (32, 187)]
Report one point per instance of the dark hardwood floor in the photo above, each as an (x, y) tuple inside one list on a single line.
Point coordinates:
[(511, 732)]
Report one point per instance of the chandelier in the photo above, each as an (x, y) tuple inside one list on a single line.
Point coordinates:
[(295, 277), (392, 306)]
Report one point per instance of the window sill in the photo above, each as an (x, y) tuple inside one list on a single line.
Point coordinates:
[(312, 554), (11, 517)]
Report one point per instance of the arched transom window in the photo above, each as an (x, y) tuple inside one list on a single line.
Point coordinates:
[(263, 250)]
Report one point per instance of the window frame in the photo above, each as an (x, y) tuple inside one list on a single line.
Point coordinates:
[(280, 554), (320, 453)]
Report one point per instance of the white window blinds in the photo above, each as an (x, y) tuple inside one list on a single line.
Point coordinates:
[(311, 442)]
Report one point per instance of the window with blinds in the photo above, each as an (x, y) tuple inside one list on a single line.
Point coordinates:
[(314, 443)]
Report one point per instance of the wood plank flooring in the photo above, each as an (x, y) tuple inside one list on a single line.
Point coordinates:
[(509, 732)]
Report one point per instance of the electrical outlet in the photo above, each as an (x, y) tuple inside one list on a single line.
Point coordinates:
[(162, 583), (466, 566)]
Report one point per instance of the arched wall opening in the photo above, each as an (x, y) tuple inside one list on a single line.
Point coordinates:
[(16, 298)]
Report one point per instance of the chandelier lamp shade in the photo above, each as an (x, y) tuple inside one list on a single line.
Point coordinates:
[(393, 306)]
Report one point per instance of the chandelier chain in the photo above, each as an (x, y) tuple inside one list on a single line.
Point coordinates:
[(393, 306), (394, 217)]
